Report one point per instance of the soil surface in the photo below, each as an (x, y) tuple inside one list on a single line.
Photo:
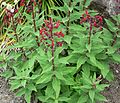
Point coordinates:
[(112, 93), (6, 96)]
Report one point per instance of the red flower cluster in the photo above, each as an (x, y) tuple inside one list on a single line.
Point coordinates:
[(47, 33), (29, 7), (8, 15), (95, 21), (22, 2)]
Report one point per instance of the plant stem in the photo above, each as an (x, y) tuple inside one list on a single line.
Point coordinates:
[(34, 23), (53, 48), (89, 37), (68, 23)]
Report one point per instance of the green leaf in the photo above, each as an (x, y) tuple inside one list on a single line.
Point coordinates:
[(31, 87), (88, 46), (1, 58), (69, 80), (7, 74), (49, 92), (23, 83), (21, 92), (68, 38), (86, 79), (92, 95), (103, 66), (116, 57), (81, 60), (58, 51), (110, 76), (15, 84), (31, 62), (100, 97), (65, 19), (64, 60), (27, 95), (86, 69), (83, 99), (37, 33), (111, 50), (44, 78), (42, 98), (64, 99), (111, 25), (87, 3), (101, 87), (92, 58), (59, 75), (56, 86), (34, 77)]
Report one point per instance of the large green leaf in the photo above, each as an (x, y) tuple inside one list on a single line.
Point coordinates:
[(44, 78), (56, 86), (21, 92), (92, 95), (27, 95), (83, 99), (116, 57), (100, 97), (81, 60)]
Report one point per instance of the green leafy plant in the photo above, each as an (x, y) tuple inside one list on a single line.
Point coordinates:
[(58, 59)]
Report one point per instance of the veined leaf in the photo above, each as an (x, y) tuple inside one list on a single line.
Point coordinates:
[(21, 92), (31, 87), (100, 97), (81, 60), (27, 95), (56, 86), (44, 78), (116, 57), (92, 95), (83, 99)]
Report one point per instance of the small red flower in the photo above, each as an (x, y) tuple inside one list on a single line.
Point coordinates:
[(41, 31), (95, 24), (99, 18), (47, 33), (61, 34), (22, 3), (59, 44), (57, 24), (16, 10), (86, 12)]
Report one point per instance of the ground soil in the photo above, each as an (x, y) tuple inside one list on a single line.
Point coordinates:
[(112, 93)]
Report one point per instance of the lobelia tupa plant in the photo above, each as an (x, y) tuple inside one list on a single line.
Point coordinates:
[(60, 59)]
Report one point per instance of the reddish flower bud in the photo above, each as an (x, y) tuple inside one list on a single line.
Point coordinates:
[(86, 12), (52, 43), (59, 44), (41, 31), (99, 18), (95, 24), (57, 24), (16, 10), (22, 3), (90, 27), (61, 34)]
